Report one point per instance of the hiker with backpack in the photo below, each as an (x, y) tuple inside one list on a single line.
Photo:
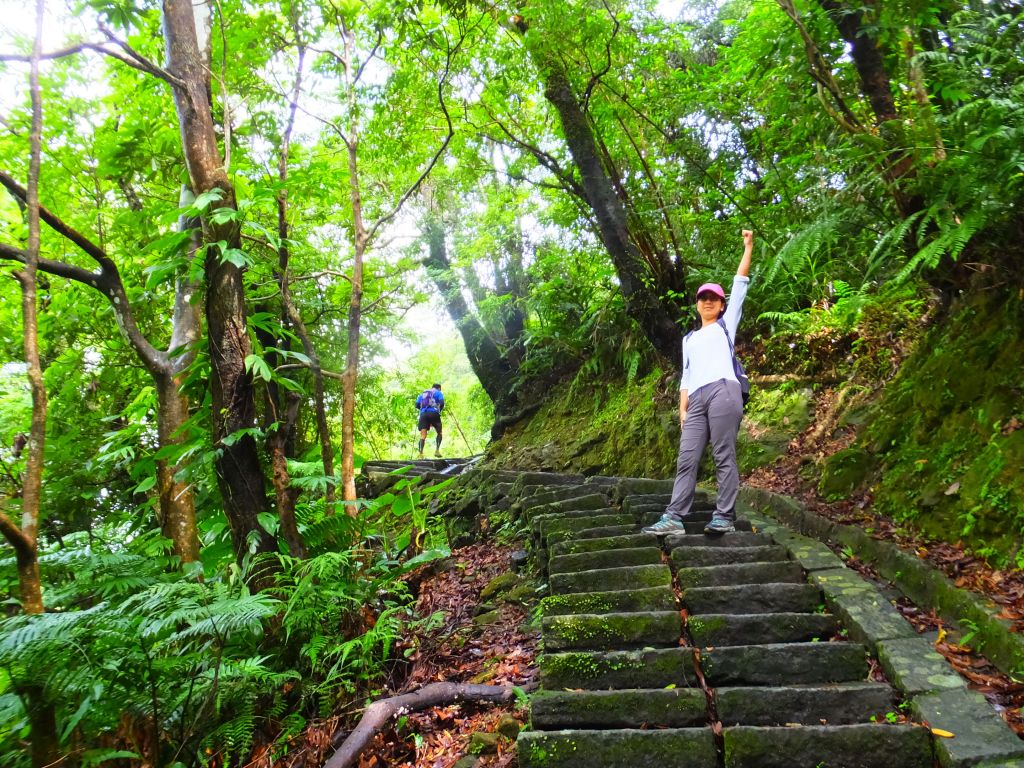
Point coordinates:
[(711, 397), (430, 404)]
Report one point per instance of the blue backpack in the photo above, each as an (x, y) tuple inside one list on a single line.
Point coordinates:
[(737, 366), (427, 400)]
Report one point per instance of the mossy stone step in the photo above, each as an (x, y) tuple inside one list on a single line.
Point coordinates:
[(622, 748), (700, 496), (695, 557), (700, 509), (608, 579), (637, 486), (556, 524), (611, 631), (829, 746), (716, 629), (784, 664), (600, 532), (737, 539), (605, 558), (753, 598), (580, 503), (614, 601), (536, 498), (674, 708), (838, 704), (579, 546), (594, 670), (786, 572)]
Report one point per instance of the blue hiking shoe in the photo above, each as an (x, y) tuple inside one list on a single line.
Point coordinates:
[(665, 526), (719, 525)]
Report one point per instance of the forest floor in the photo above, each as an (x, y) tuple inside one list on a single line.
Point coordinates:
[(500, 652), (1004, 587)]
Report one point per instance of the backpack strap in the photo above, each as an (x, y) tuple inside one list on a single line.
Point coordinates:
[(728, 338)]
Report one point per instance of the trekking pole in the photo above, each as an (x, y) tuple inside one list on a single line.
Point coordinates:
[(463, 434)]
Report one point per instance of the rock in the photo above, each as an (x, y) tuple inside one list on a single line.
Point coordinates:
[(845, 472), (499, 584), (469, 761), (520, 559), (508, 727), (487, 618), (483, 743)]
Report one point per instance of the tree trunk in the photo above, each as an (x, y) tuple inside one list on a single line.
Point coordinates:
[(177, 503), (639, 284), (291, 312), (355, 311), (32, 485), (859, 31), (494, 370), (239, 471)]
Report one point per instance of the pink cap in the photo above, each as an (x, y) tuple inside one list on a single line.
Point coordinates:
[(714, 288)]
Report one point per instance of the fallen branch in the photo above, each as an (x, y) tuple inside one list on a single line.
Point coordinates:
[(378, 713)]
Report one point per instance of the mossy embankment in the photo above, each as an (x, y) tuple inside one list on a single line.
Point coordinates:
[(942, 448), (611, 426), (939, 447)]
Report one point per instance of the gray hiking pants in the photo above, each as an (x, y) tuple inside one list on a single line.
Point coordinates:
[(714, 412)]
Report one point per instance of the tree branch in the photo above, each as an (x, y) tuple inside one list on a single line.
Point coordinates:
[(22, 546), (131, 58), (434, 694), (107, 280)]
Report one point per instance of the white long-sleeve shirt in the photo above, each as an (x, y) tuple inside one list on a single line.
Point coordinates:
[(706, 354)]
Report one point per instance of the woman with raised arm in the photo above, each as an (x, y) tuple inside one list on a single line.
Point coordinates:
[(710, 403)]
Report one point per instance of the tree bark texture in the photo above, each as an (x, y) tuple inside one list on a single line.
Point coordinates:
[(432, 695), (638, 283), (239, 470)]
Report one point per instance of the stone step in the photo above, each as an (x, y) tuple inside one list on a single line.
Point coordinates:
[(621, 748), (645, 509), (718, 629), (784, 664), (611, 631), (672, 708), (787, 572), (537, 520), (606, 558), (559, 523), (579, 546), (536, 498), (600, 532), (595, 670), (694, 557), (635, 486), (615, 601), (694, 524), (842, 746), (838, 704), (590, 501), (609, 579), (737, 539), (753, 598)]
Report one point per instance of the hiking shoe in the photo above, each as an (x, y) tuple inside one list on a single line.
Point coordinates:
[(437, 454), (421, 454), (719, 525), (665, 526)]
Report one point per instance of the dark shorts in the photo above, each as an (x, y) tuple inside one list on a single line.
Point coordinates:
[(430, 419)]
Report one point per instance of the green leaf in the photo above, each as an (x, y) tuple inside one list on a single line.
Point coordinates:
[(258, 367)]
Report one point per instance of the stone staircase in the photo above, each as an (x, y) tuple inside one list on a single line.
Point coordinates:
[(755, 649), (751, 672)]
